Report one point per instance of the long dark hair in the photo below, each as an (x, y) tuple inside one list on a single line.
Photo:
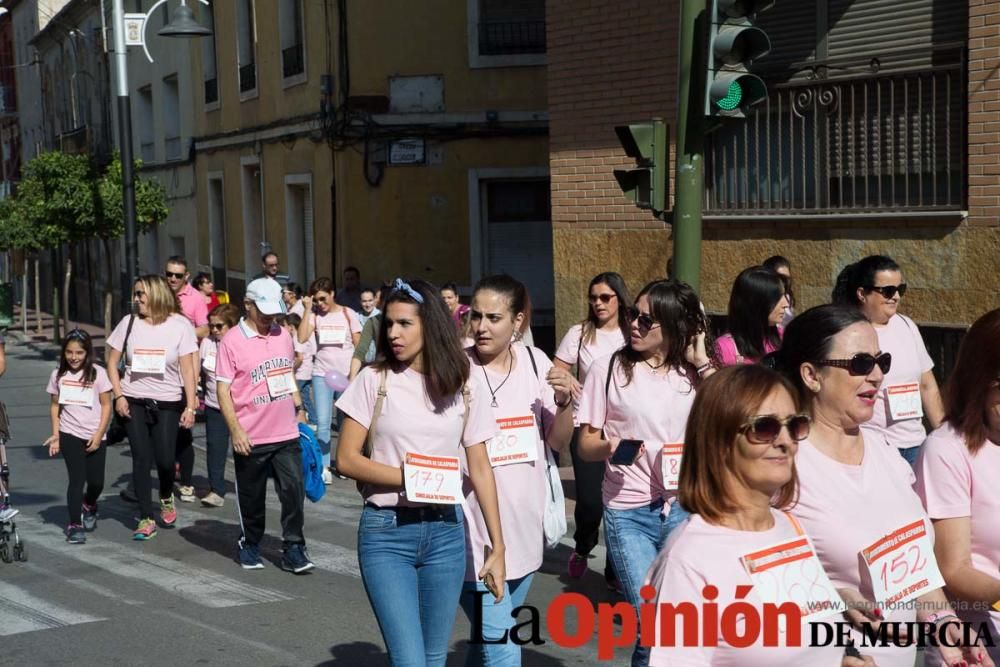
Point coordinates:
[(588, 332), (445, 363), (967, 387), (676, 307), (89, 374), (776, 262), (756, 291), (860, 274)]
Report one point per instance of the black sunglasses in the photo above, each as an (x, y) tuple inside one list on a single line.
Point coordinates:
[(764, 429), (216, 326), (603, 298), (888, 291), (646, 322), (171, 274), (861, 363)]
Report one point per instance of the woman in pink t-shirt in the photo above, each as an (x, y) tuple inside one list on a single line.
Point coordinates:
[(738, 478), (81, 412), (528, 397), (603, 332), (220, 321), (856, 498), (875, 286), (958, 478), (157, 393), (643, 393), (757, 305), (335, 330), (415, 420)]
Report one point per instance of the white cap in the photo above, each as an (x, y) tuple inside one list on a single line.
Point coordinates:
[(266, 295)]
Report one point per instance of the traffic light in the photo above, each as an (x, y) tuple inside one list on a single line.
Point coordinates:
[(646, 186), (734, 42)]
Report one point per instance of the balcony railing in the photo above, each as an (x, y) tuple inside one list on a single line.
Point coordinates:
[(503, 38), (211, 90), (248, 77), (292, 61), (844, 142), (172, 148)]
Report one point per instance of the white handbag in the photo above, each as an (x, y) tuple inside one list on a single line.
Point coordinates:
[(554, 523)]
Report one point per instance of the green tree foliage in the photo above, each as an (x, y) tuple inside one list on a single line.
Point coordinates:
[(150, 202)]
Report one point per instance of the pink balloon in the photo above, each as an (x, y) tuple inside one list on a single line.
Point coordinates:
[(336, 380)]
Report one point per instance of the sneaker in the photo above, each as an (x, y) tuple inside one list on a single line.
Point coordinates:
[(89, 517), (249, 556), (75, 534), (186, 494), (146, 530), (213, 499), (327, 476), (168, 515), (128, 494), (577, 565), (294, 559)]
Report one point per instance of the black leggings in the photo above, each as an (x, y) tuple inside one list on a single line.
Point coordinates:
[(152, 437), (83, 468), (185, 455), (589, 510)]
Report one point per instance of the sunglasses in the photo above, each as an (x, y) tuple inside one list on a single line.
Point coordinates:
[(171, 274), (319, 299), (861, 363), (646, 321), (765, 429), (138, 294), (888, 291), (213, 327), (78, 334), (603, 298)]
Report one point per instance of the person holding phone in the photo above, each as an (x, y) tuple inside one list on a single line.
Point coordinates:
[(633, 414), (411, 419)]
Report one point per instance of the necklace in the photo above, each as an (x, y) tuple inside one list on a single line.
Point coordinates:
[(656, 367), (493, 392)]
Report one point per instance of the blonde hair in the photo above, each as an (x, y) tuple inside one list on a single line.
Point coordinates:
[(161, 302)]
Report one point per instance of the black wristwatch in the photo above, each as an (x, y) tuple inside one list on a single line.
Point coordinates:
[(300, 408)]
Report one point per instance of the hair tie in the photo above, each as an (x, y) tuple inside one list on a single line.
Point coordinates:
[(402, 286)]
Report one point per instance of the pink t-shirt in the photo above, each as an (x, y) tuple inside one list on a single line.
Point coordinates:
[(847, 508), (604, 344), (520, 486), (411, 422), (209, 353), (654, 408), (173, 338), (900, 338), (298, 309), (246, 359), (728, 355), (954, 483), (193, 305), (308, 351), (335, 356), (699, 553), (81, 421)]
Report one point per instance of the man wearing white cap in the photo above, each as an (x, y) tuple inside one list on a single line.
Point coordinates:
[(259, 400)]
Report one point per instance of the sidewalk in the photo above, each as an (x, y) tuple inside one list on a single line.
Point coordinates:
[(42, 342)]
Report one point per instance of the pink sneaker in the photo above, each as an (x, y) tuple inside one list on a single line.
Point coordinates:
[(168, 515), (146, 530), (577, 565)]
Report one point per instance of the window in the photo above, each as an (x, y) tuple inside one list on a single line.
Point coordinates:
[(246, 45), (147, 134), (208, 57), (511, 27), (300, 261), (217, 230), (171, 119), (292, 42)]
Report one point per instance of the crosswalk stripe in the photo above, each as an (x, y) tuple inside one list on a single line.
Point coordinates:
[(20, 611)]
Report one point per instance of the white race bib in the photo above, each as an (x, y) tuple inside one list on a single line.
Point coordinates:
[(904, 401), (790, 571), (516, 443), (671, 465), (433, 479), (208, 361), (280, 382), (75, 392), (902, 565), (331, 335), (149, 361)]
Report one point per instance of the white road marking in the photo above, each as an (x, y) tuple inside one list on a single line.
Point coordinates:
[(20, 611)]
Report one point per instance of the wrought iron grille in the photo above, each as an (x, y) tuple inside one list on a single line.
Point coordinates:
[(292, 61), (847, 137), (502, 38), (248, 77)]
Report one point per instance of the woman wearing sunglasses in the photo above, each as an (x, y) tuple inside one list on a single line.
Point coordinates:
[(632, 416), (856, 497), (757, 305), (958, 478), (604, 331), (738, 477), (875, 286)]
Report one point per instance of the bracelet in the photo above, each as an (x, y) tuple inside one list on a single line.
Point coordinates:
[(191, 410), (564, 405), (119, 396), (704, 367), (936, 617), (300, 408)]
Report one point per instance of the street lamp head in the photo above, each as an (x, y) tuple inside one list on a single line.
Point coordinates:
[(183, 24)]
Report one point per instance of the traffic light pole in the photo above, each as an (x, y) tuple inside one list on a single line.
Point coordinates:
[(690, 142)]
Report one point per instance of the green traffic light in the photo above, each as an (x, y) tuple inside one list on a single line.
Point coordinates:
[(734, 95)]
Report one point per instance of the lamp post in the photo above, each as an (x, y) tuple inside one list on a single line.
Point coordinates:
[(181, 25)]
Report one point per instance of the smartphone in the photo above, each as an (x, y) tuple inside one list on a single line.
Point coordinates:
[(488, 580), (626, 454)]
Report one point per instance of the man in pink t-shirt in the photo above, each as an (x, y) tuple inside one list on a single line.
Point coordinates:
[(192, 301), (259, 399)]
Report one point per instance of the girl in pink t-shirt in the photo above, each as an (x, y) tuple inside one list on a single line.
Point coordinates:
[(757, 306), (415, 420), (643, 393), (531, 400), (304, 353), (220, 321), (81, 412)]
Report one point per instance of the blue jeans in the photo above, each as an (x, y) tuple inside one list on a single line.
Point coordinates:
[(496, 620), (634, 537), (910, 454), (413, 566), (305, 391), (216, 449), (676, 516), (324, 397)]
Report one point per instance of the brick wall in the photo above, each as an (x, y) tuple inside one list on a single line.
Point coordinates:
[(984, 112)]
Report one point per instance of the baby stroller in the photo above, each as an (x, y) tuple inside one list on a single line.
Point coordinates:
[(11, 546)]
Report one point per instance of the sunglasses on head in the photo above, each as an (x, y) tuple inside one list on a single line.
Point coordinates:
[(78, 334), (764, 429), (888, 291), (861, 363), (646, 321), (603, 298), (171, 274)]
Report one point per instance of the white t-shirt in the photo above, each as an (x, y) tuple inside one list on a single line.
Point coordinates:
[(605, 343)]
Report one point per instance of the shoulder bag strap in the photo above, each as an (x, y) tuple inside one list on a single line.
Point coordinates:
[(465, 402), (369, 445), (795, 524), (534, 367), (579, 347), (128, 332)]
